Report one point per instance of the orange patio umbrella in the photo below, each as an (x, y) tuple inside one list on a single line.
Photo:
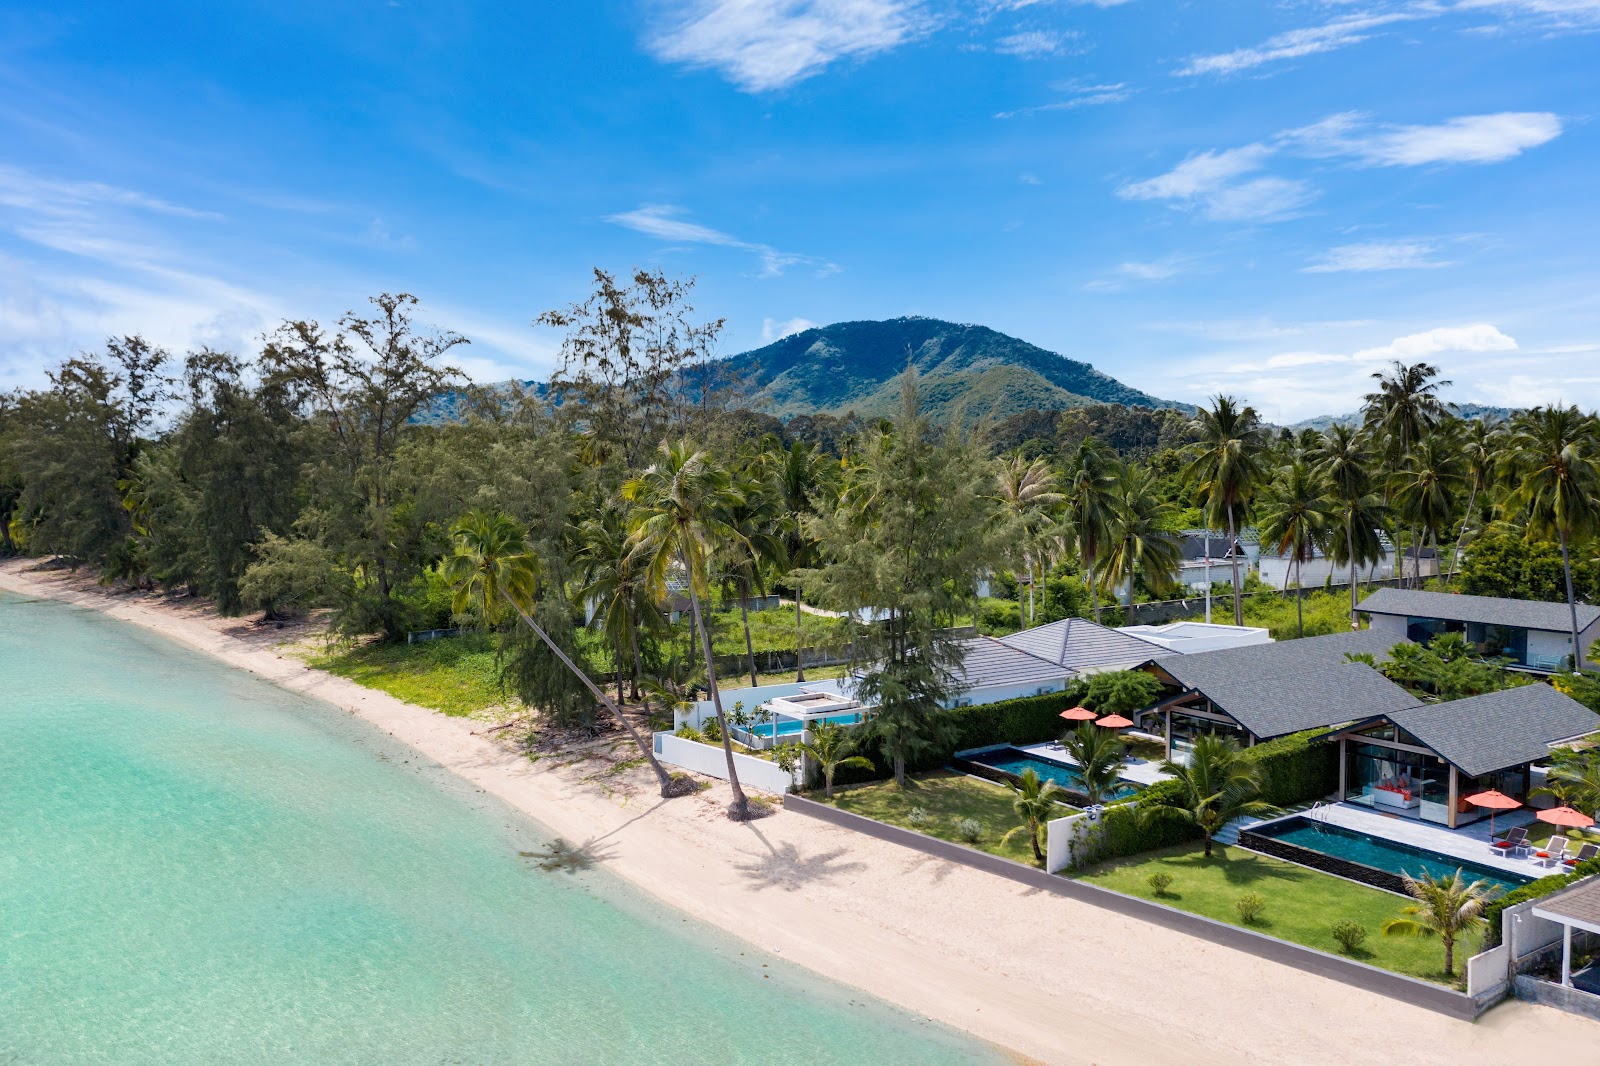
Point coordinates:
[(1078, 714), (1565, 817), (1493, 800), (1114, 721)]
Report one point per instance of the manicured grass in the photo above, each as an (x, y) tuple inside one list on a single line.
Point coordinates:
[(1302, 904), (947, 798), (456, 675)]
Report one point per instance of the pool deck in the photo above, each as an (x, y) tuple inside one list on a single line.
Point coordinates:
[(1139, 771), (1469, 842)]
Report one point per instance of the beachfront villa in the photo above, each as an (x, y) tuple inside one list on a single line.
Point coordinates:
[(1260, 691), (1422, 761), (1534, 635)]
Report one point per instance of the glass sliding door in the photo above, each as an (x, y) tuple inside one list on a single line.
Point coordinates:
[(1407, 783)]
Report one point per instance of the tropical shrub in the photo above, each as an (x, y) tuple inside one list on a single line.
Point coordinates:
[(1350, 935), (1159, 882), (1121, 691), (1534, 890), (1250, 907), (970, 830), (918, 817)]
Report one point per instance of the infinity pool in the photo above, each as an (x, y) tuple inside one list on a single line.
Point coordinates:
[(1387, 855), (1015, 760)]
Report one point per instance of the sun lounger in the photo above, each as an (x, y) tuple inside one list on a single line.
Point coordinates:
[(1515, 838), (1585, 853), (1555, 850)]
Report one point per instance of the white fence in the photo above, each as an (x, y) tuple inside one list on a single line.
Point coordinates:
[(752, 698), (711, 761), (1071, 842), (1522, 935)]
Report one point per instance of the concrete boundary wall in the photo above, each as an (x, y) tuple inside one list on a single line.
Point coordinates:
[(1347, 971), (708, 760)]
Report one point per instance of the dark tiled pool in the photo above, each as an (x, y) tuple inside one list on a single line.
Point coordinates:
[(1389, 856)]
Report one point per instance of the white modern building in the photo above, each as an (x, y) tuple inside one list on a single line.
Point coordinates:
[(1187, 638)]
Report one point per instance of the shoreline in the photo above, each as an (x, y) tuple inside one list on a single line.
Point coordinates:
[(1045, 977)]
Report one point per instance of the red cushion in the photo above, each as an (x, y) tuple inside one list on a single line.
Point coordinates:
[(1542, 854), (1503, 844)]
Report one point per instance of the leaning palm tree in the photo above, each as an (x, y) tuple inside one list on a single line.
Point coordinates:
[(1089, 491), (1557, 484), (1294, 522), (677, 522), (1218, 783), (611, 584), (493, 569), (1344, 462), (1036, 803), (1225, 467), (832, 748), (1100, 754), (1447, 907), (1025, 494), (1141, 539)]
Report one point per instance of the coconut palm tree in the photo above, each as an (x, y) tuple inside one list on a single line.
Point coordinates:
[(1345, 463), (1406, 405), (1219, 785), (1575, 783), (832, 748), (1225, 467), (798, 473), (1025, 494), (1091, 478), (1295, 517), (611, 582), (1139, 530), (1036, 803), (493, 569), (1480, 454), (751, 519), (1557, 484), (1426, 487), (1447, 907), (1100, 754), (679, 501)]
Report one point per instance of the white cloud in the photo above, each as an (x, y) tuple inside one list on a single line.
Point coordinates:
[(1479, 337), (1466, 139), (773, 330), (1220, 185), (1134, 271), (1339, 33), (56, 198), (1376, 255), (1559, 14), (1087, 96), (1032, 44), (761, 45), (663, 221)]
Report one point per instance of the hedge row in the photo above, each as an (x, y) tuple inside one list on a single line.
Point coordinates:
[(1535, 890), (1296, 768)]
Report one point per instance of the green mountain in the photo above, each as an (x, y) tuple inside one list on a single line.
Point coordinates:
[(1353, 418), (854, 366)]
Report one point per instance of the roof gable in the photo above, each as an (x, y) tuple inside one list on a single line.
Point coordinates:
[(1082, 646), (1481, 734), (1488, 610)]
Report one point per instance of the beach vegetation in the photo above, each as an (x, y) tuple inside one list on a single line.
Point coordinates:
[(832, 747), (1217, 784), (1448, 907), (1100, 754), (1036, 802)]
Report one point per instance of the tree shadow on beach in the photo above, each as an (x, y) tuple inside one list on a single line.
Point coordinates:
[(783, 866), (562, 856)]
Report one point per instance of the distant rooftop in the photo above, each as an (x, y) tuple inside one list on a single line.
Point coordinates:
[(1487, 610), (1082, 646)]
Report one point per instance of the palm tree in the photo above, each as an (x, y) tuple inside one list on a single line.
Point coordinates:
[(1036, 803), (1225, 467), (1406, 405), (1447, 907), (832, 748), (1100, 754), (1559, 484), (493, 568), (1575, 783), (1294, 521), (1025, 492), (750, 519), (1219, 785), (1345, 464), (798, 472), (1426, 488), (679, 501), (611, 582), (1091, 478), (1138, 525), (1480, 452)]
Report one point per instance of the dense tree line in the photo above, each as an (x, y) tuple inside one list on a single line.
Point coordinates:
[(309, 474)]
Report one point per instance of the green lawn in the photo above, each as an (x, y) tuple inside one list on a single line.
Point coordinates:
[(1302, 904), (456, 675), (947, 798)]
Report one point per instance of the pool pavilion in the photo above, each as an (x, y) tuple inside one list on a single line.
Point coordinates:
[(1423, 761)]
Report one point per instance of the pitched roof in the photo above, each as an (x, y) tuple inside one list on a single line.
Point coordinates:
[(1581, 904), (1082, 646), (1491, 610), (1290, 685), (986, 661), (1481, 734)]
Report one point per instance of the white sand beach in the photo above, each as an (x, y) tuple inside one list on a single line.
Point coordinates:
[(1052, 979)]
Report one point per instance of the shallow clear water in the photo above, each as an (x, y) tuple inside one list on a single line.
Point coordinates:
[(1014, 761), (1386, 855), (199, 867)]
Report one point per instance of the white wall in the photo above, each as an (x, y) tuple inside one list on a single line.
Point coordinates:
[(1314, 572), (1390, 625), (750, 697), (996, 693), (1548, 650), (711, 761), (1069, 841)]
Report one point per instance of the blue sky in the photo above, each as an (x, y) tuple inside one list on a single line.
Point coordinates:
[(1269, 199)]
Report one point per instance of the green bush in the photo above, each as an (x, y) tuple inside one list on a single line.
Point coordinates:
[(1250, 907), (1537, 890), (998, 617), (1159, 882), (970, 830), (1296, 768), (1350, 935), (1123, 833)]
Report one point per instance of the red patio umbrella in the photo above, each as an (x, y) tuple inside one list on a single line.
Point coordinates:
[(1565, 817), (1114, 721), (1078, 714), (1492, 801)]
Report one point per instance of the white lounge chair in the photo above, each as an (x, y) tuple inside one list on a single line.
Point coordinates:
[(1514, 839), (1585, 853), (1555, 850)]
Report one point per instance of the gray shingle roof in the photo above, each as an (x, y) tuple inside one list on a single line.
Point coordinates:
[(986, 661), (1290, 685), (1491, 610), (1581, 903), (1084, 646), (1481, 734)]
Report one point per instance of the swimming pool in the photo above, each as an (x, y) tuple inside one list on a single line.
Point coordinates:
[(1354, 854), (788, 727), (1013, 761)]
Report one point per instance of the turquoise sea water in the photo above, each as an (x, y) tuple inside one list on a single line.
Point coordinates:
[(199, 867)]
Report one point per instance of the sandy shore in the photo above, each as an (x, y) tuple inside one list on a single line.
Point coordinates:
[(1051, 978)]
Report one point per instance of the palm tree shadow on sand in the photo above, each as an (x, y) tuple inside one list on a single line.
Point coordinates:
[(784, 867)]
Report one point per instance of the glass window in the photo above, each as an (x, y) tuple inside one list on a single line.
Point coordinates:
[(1407, 783), (1186, 727)]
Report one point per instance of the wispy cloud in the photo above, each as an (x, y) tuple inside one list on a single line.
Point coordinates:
[(1556, 14), (1468, 139), (1084, 96), (772, 329), (762, 45), (55, 197), (1376, 255), (666, 222), (1033, 44), (1311, 40), (1225, 186), (1135, 271)]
